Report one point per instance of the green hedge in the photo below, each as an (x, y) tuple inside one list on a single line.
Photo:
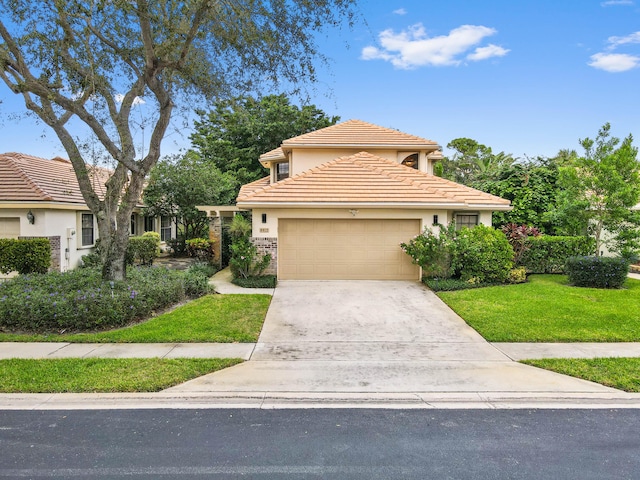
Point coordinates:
[(597, 272), (79, 300), (29, 255), (548, 254), (143, 249)]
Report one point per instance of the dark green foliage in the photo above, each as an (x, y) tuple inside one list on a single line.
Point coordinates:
[(482, 254), (79, 300), (530, 185), (476, 255), (233, 135), (547, 254), (597, 272), (262, 281), (177, 185), (29, 255), (143, 249), (452, 284)]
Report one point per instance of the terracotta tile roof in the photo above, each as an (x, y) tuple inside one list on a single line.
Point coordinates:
[(275, 154), (356, 133), (27, 178), (364, 178)]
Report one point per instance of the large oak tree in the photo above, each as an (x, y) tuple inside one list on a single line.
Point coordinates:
[(92, 60)]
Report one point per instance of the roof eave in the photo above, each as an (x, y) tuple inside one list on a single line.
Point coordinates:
[(412, 205)]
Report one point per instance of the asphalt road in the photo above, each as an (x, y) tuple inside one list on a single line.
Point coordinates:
[(326, 444)]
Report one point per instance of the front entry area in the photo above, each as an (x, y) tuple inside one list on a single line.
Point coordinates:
[(345, 249)]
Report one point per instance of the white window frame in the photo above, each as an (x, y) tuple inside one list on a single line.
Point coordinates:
[(460, 225), (164, 228), (84, 228)]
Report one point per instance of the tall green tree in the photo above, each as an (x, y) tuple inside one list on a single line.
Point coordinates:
[(530, 185), (90, 61), (472, 159), (234, 134), (599, 188), (178, 184)]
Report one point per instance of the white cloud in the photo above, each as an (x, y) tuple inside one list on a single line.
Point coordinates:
[(136, 101), (615, 42), (400, 11), (614, 62), (610, 3), (491, 50), (412, 48)]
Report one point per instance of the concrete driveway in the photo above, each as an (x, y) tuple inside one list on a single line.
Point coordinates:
[(347, 337)]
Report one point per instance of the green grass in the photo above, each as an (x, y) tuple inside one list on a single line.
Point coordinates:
[(82, 375), (213, 318), (547, 309), (620, 373)]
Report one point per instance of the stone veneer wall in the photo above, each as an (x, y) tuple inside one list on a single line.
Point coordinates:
[(215, 235), (268, 245), (55, 251)]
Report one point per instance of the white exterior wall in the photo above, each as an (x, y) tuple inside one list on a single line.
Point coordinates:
[(270, 228), (51, 223)]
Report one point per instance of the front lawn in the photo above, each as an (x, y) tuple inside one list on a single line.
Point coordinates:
[(547, 309), (82, 375), (212, 318), (620, 373)]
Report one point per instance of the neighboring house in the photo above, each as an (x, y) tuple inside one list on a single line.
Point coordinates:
[(339, 201), (41, 198)]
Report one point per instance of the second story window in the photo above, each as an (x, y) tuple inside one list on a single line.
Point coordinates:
[(282, 171)]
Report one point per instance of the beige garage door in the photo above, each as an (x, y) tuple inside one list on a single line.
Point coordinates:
[(345, 249), (9, 227)]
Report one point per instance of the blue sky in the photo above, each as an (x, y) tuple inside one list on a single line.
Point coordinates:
[(527, 77)]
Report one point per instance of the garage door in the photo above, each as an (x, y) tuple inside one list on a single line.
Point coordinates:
[(345, 249), (9, 227)]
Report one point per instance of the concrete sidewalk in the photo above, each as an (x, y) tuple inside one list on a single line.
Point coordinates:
[(125, 350)]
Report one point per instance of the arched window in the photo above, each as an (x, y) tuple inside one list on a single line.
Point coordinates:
[(411, 161)]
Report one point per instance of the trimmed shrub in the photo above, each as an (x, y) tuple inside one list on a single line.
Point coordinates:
[(143, 249), (482, 255), (79, 300), (263, 281), (597, 272), (200, 248), (517, 275), (28, 255), (548, 254)]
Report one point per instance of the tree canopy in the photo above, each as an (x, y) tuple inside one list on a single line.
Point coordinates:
[(177, 185), (90, 62), (234, 134), (600, 187)]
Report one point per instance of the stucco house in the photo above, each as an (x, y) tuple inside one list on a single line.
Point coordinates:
[(41, 198), (339, 201)]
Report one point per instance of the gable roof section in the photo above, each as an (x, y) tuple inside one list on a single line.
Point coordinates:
[(366, 179), (356, 133), (27, 178)]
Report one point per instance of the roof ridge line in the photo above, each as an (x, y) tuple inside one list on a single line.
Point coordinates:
[(37, 188)]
